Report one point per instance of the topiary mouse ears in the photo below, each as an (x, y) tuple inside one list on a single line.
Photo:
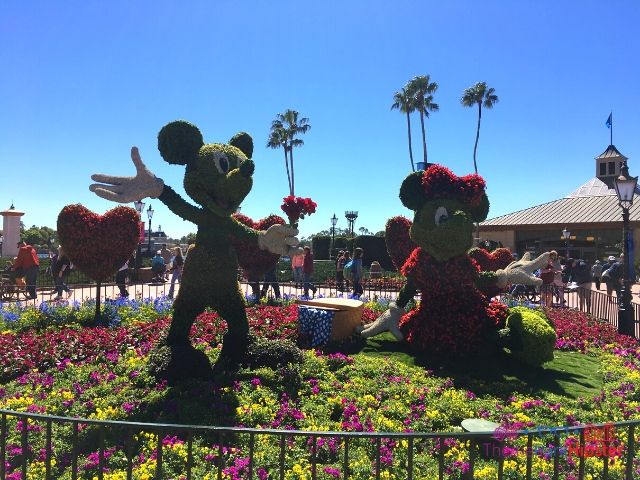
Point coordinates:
[(179, 142), (438, 182), (243, 142)]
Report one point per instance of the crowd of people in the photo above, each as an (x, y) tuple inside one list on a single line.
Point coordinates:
[(576, 274), (24, 269), (560, 274)]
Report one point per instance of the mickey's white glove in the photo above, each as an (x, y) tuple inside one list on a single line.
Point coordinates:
[(128, 189), (388, 321), (521, 271), (280, 239)]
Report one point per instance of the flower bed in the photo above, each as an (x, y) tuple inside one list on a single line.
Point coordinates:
[(61, 368)]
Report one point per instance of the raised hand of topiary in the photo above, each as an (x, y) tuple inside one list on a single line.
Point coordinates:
[(454, 316), (218, 176)]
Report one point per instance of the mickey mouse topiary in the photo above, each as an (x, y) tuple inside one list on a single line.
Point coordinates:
[(217, 177), (454, 316)]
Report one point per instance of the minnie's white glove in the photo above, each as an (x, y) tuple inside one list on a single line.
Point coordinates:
[(128, 189), (280, 239), (522, 270), (388, 321)]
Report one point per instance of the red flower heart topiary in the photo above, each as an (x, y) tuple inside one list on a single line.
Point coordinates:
[(399, 243), (500, 258), (252, 260), (98, 245)]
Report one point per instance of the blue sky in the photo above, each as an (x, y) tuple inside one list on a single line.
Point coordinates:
[(83, 81)]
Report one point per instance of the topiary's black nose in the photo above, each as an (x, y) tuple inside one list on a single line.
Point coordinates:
[(246, 168)]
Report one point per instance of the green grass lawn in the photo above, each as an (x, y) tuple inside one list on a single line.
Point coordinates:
[(570, 374)]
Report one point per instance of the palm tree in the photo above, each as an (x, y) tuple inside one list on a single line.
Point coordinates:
[(421, 89), (292, 126), (277, 139), (479, 95), (403, 101)]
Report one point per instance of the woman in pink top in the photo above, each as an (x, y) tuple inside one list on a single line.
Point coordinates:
[(297, 261)]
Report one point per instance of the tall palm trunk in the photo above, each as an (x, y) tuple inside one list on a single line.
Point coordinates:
[(475, 166), (286, 163), (293, 177), (475, 147), (413, 167), (424, 139)]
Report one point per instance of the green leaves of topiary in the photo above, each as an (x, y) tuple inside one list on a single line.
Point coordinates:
[(411, 191), (480, 211), (243, 142), (179, 142), (534, 335)]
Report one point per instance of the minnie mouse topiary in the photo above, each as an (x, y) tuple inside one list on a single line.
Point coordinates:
[(454, 317)]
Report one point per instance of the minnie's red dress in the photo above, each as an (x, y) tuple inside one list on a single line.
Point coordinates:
[(452, 315)]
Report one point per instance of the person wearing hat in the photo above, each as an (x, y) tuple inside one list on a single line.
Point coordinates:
[(596, 272), (27, 265)]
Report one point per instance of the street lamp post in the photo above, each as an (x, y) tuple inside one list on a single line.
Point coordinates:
[(150, 215), (625, 189), (1, 242), (566, 234), (334, 221), (139, 204)]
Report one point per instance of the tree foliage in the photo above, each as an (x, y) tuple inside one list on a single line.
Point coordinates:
[(421, 90), (39, 237), (482, 96), (284, 132)]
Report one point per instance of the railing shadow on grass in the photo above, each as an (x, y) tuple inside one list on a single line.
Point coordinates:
[(62, 443)]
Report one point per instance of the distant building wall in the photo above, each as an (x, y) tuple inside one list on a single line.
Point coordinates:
[(506, 237)]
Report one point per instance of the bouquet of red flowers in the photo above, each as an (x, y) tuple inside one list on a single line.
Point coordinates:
[(297, 207)]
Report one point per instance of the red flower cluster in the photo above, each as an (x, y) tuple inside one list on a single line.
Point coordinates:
[(21, 353), (453, 314), (27, 351), (576, 331), (497, 313), (253, 261), (399, 243), (440, 182), (98, 245), (297, 207)]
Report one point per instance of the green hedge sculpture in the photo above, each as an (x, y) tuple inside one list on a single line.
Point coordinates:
[(217, 177)]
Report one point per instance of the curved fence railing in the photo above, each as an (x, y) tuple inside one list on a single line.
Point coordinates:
[(51, 447)]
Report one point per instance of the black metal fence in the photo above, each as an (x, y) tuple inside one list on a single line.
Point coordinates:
[(597, 303), (50, 447)]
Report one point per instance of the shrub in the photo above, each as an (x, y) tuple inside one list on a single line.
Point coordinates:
[(263, 352), (536, 311), (534, 339), (320, 245), (374, 248)]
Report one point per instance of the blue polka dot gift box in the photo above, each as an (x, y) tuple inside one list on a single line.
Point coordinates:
[(328, 319)]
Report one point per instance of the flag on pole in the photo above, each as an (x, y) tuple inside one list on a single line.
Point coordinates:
[(608, 123)]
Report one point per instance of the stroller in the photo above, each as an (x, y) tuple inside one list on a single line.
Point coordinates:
[(525, 293), (12, 285)]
